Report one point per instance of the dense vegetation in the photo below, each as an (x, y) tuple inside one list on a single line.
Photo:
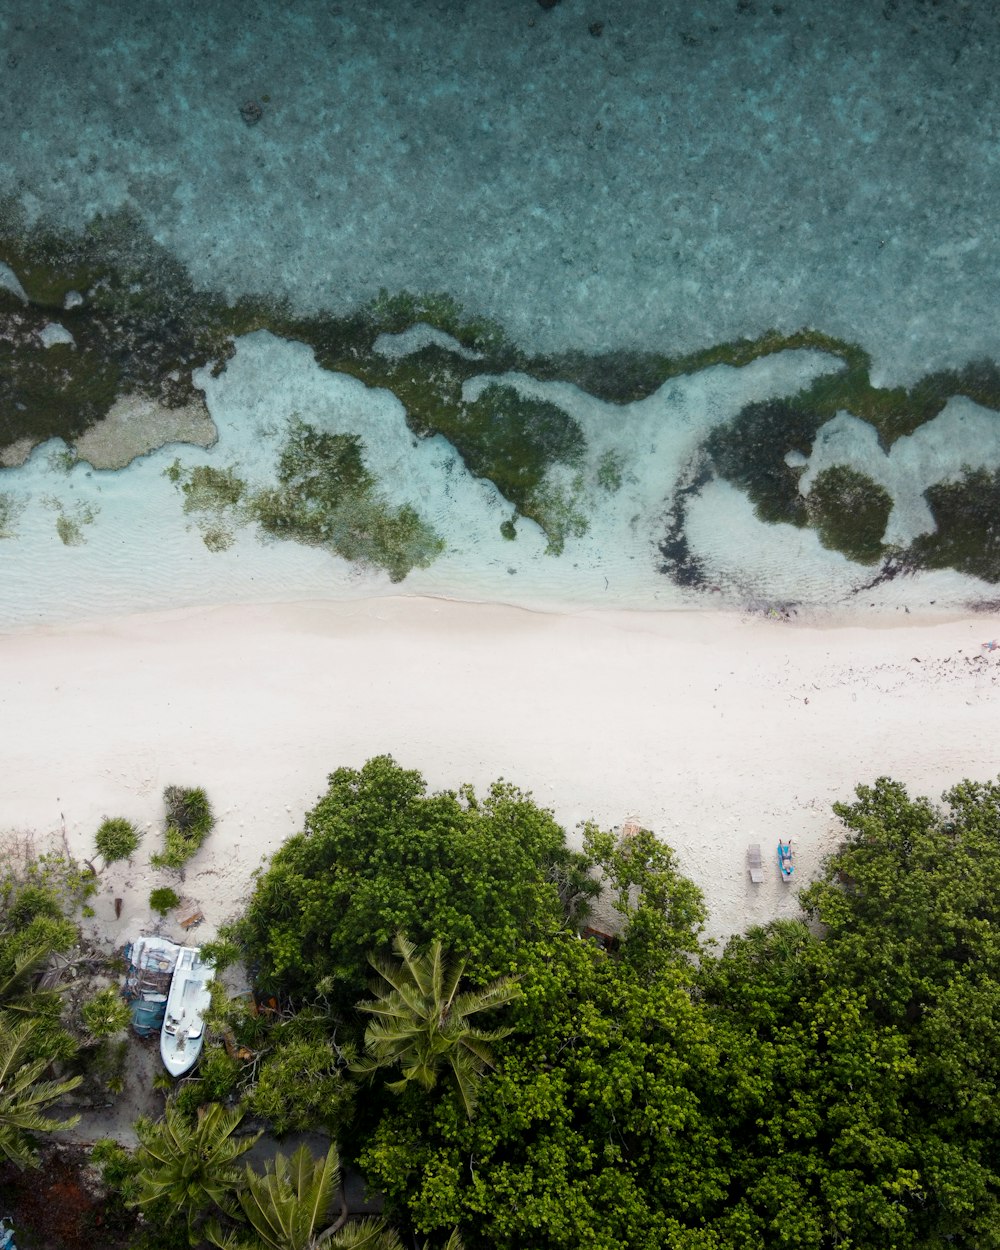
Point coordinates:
[(819, 1082), (54, 1040)]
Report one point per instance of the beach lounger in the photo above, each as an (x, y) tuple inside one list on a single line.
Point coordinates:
[(785, 861), (755, 864)]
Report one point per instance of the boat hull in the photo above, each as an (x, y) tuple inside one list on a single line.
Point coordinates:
[(183, 1033), (151, 962)]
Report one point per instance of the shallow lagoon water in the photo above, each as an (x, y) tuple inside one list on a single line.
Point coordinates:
[(90, 542)]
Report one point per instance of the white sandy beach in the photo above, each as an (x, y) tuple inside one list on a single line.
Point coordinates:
[(713, 730)]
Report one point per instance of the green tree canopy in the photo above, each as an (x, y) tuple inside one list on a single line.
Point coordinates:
[(187, 1166), (910, 909), (809, 1098), (34, 900), (379, 855), (588, 1133), (301, 1081), (861, 1056), (825, 1081), (289, 1207)]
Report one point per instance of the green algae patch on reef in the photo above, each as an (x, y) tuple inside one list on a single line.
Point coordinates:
[(764, 448), (48, 391), (394, 313), (849, 512), (750, 453), (623, 377), (140, 328), (327, 497), (501, 436), (207, 488), (610, 472), (10, 509), (515, 441), (71, 521), (967, 514)]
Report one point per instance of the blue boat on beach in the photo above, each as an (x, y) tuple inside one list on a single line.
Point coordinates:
[(151, 961)]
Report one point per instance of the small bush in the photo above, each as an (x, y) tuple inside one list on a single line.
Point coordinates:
[(189, 822), (118, 1168), (117, 838), (105, 1014), (221, 953), (217, 1079), (107, 1062), (163, 899)]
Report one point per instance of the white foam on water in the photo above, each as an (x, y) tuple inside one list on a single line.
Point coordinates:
[(417, 337), (9, 282)]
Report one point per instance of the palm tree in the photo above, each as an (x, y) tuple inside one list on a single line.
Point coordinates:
[(423, 1021), (367, 1234), (23, 1097), (290, 1206), (188, 1166), (18, 971), (287, 1204), (372, 1234)]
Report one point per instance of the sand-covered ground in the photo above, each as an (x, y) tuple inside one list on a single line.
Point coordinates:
[(714, 730)]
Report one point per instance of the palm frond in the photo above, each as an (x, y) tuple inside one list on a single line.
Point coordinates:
[(25, 965), (23, 1095), (365, 1234), (421, 1020)]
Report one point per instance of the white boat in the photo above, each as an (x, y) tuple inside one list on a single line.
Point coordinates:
[(183, 1032)]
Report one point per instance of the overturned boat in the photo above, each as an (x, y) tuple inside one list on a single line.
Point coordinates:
[(183, 1032)]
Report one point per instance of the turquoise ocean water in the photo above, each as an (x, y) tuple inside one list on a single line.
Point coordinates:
[(701, 304)]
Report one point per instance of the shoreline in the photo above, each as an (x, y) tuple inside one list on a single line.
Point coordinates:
[(714, 729)]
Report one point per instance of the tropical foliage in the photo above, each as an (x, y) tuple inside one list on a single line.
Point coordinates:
[(39, 1027), (38, 894), (189, 822), (380, 855), (116, 838), (287, 1208), (826, 1080), (291, 1207), (812, 1085), (105, 1013), (301, 1082), (422, 1022), (163, 899), (187, 1166), (24, 1096)]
